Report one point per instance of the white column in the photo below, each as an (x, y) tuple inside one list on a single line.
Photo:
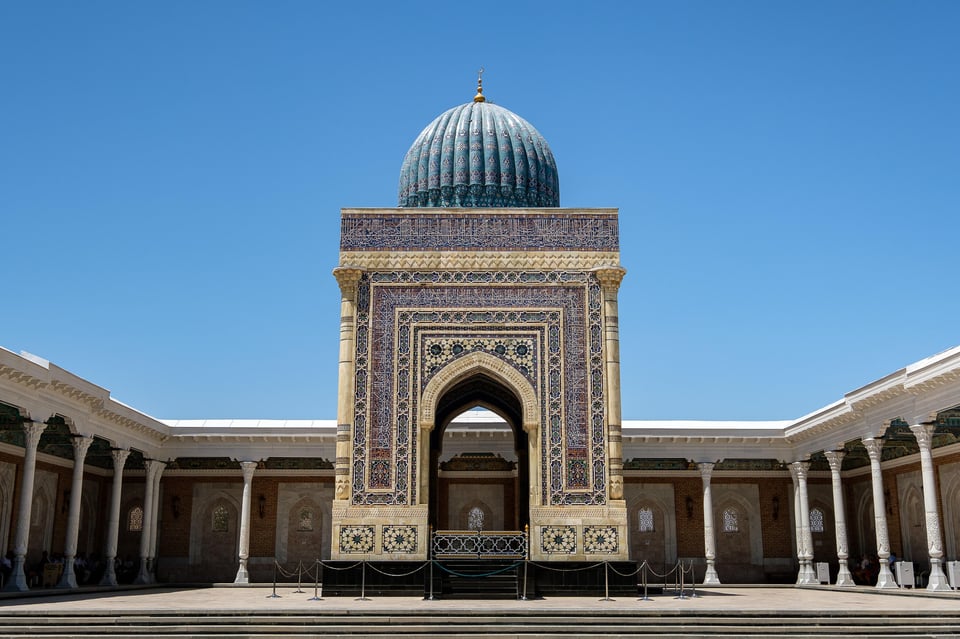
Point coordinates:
[(835, 459), (797, 533), (155, 523), (924, 435), (709, 543), (18, 579), (243, 577), (113, 525), (874, 448), (151, 466), (81, 443), (806, 575)]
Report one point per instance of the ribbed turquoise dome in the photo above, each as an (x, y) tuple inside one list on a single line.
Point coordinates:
[(479, 155)]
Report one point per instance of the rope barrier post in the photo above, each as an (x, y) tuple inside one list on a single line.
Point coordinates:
[(363, 582), (316, 584), (523, 597), (693, 582), (274, 595), (606, 582), (429, 597), (299, 590), (643, 569), (680, 571), (430, 541)]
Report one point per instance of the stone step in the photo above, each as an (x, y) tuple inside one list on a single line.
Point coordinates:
[(485, 625), (355, 633)]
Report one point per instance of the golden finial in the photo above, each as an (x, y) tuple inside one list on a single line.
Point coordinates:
[(479, 96)]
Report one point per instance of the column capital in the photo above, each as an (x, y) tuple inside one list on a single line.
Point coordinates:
[(924, 435), (154, 467), (347, 278), (33, 430), (119, 458), (835, 459), (874, 446), (81, 444), (247, 468), (800, 469), (610, 277), (706, 469)]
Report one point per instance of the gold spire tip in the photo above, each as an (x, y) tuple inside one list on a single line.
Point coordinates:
[(479, 96)]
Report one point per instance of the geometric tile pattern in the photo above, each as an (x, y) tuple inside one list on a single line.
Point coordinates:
[(356, 539), (400, 539), (600, 539), (544, 324), (467, 231), (558, 540)]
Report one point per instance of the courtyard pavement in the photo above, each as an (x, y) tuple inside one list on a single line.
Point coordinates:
[(254, 599)]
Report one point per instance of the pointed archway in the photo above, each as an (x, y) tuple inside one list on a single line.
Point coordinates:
[(480, 379)]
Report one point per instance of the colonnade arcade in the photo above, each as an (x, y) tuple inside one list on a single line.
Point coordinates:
[(766, 502)]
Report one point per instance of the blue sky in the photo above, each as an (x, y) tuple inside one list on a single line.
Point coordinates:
[(787, 174)]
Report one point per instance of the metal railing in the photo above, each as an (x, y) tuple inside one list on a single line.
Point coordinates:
[(506, 544)]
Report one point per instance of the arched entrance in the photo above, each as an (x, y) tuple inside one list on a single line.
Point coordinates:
[(488, 500), (479, 379)]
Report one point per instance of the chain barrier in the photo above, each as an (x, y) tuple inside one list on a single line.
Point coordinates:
[(679, 572)]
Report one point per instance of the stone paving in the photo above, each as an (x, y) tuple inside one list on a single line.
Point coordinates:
[(780, 600)]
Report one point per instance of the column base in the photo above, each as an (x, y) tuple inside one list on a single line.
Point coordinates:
[(243, 577), (18, 579), (710, 577), (885, 577), (68, 580), (938, 580), (110, 574), (844, 578), (143, 576)]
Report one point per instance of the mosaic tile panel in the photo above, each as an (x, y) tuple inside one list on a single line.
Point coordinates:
[(456, 231), (356, 539), (400, 539), (601, 539), (546, 324), (558, 540)]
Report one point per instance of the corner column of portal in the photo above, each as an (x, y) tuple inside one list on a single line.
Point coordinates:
[(610, 278), (709, 542), (874, 448), (347, 279), (18, 578), (835, 459), (924, 435)]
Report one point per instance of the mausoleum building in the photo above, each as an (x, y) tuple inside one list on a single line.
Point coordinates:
[(478, 411)]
